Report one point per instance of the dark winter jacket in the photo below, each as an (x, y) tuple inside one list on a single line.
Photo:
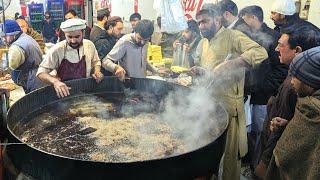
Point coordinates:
[(242, 26), (294, 22), (95, 32), (265, 79), (104, 44), (48, 29)]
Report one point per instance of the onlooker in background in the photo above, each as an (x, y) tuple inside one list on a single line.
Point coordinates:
[(134, 19), (264, 79), (108, 38), (48, 29), (24, 56), (102, 16), (166, 41), (16, 15), (26, 28), (227, 50), (189, 41), (131, 53), (282, 105), (284, 16), (229, 13), (156, 37), (72, 58), (296, 155), (70, 14), (230, 19)]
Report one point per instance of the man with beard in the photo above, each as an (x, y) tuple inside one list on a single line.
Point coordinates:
[(225, 44), (186, 45), (227, 53), (24, 56), (229, 14), (131, 53), (72, 58), (230, 19), (48, 29), (102, 16), (290, 44), (296, 155), (108, 38), (284, 16)]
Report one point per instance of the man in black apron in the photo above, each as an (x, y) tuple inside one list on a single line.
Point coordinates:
[(72, 58)]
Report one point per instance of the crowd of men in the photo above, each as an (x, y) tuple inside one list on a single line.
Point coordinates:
[(281, 74)]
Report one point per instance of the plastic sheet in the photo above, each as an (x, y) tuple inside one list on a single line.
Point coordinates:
[(172, 16)]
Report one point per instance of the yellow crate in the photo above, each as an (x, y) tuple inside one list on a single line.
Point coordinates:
[(154, 53)]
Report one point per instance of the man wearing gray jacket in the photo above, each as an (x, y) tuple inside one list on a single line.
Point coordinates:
[(130, 53)]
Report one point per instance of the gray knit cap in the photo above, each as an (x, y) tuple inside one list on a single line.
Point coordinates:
[(306, 67)]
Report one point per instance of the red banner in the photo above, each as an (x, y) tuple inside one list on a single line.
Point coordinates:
[(23, 10), (191, 7), (135, 6), (105, 3)]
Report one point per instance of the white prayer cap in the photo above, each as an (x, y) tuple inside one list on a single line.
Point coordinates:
[(285, 7), (73, 24)]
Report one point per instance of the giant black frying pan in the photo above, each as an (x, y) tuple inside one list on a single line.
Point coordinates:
[(43, 165)]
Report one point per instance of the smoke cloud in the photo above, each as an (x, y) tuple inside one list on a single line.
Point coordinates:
[(196, 115)]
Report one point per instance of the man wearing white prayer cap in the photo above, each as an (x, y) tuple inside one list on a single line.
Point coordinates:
[(285, 16), (72, 58)]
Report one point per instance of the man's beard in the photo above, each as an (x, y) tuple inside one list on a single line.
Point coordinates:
[(140, 44), (276, 23), (209, 33), (279, 22), (224, 22), (75, 45), (115, 35)]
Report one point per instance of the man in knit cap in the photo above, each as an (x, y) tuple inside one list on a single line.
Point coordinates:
[(24, 55), (296, 155), (284, 16), (72, 58)]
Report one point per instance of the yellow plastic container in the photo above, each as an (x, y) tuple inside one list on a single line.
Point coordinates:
[(154, 54), (178, 69)]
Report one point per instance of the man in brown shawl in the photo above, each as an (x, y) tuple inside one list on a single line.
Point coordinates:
[(296, 155)]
